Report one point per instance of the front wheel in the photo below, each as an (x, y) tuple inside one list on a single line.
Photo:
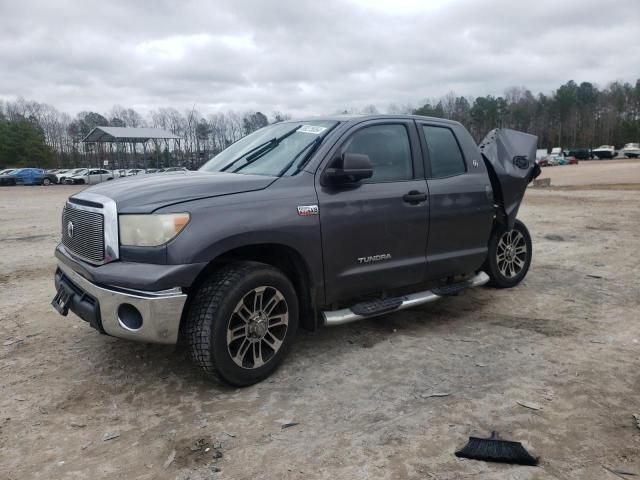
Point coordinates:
[(46, 182), (241, 322), (509, 256)]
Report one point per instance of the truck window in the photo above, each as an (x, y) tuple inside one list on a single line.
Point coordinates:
[(388, 149), (444, 152)]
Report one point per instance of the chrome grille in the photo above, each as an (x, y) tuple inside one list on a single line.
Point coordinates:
[(85, 236)]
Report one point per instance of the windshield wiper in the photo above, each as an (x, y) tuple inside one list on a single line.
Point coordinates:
[(257, 152), (314, 145), (235, 160)]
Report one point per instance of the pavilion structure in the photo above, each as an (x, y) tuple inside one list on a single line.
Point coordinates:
[(123, 137)]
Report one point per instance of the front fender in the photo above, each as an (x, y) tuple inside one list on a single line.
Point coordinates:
[(268, 216)]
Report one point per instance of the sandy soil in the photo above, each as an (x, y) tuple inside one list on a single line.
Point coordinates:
[(566, 342)]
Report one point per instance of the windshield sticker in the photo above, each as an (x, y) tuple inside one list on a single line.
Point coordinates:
[(311, 129)]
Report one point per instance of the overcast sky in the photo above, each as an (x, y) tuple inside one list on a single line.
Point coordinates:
[(306, 57)]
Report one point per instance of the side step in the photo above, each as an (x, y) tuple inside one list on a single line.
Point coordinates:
[(374, 308)]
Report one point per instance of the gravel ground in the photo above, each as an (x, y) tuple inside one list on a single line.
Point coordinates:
[(361, 399)]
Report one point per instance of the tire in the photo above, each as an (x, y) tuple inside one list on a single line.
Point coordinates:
[(224, 307), (502, 272), (46, 182)]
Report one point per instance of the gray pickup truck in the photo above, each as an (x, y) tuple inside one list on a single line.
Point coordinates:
[(305, 223)]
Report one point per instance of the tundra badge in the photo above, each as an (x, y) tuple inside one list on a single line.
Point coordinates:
[(375, 258)]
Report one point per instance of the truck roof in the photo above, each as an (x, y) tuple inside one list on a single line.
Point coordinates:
[(352, 117)]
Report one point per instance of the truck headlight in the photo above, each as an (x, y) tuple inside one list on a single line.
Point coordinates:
[(151, 230)]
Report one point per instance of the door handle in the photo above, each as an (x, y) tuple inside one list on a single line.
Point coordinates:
[(414, 197)]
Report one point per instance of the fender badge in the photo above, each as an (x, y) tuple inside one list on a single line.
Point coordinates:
[(307, 210), (475, 163)]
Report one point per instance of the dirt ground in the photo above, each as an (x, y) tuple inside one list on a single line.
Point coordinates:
[(566, 342)]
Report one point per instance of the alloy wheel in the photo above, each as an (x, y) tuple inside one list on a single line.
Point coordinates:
[(257, 327), (511, 254)]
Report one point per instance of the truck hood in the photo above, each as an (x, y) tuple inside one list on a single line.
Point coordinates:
[(510, 158), (146, 193)]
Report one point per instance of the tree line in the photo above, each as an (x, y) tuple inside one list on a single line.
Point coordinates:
[(574, 115)]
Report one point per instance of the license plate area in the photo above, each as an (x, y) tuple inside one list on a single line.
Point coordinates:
[(62, 300)]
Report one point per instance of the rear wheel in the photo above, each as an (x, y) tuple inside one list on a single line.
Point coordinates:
[(241, 322), (509, 256)]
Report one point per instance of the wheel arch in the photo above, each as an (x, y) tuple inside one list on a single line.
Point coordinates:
[(283, 257)]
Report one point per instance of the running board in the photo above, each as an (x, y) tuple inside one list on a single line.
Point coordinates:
[(374, 308)]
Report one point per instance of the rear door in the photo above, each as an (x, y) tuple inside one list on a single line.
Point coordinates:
[(105, 175), (94, 177), (374, 234), (461, 200), (37, 175)]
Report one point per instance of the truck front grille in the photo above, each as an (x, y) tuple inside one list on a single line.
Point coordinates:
[(83, 233)]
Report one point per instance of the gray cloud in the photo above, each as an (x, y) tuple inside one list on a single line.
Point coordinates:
[(305, 57)]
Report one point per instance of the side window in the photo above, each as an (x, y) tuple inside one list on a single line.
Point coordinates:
[(94, 172), (444, 152), (388, 149)]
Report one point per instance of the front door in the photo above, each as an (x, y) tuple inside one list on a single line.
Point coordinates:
[(374, 233)]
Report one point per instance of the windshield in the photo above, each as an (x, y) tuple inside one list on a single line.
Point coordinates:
[(275, 150)]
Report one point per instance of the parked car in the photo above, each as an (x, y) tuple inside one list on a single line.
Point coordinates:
[(90, 176), (7, 180), (6, 171), (46, 178), (541, 153), (579, 153), (175, 169), (63, 174), (605, 151), (233, 257), (23, 176), (153, 170), (135, 171), (543, 162), (552, 159), (631, 150)]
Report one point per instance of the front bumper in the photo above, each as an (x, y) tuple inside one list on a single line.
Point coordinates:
[(109, 309)]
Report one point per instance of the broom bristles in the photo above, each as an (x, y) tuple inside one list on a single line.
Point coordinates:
[(493, 450)]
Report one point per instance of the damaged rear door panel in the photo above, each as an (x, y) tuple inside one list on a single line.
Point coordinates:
[(461, 210)]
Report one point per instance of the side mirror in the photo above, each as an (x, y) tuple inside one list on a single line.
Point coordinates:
[(350, 168)]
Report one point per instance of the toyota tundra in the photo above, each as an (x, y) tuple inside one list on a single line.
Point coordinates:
[(305, 223)]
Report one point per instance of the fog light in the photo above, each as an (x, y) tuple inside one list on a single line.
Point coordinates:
[(129, 317)]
